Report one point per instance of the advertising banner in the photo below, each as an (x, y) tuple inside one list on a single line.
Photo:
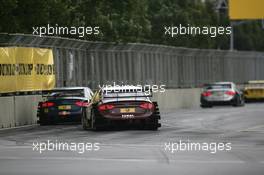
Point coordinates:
[(245, 9), (26, 69)]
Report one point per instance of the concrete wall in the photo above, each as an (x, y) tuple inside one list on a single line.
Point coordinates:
[(18, 110), (22, 110), (26, 109), (178, 98), (7, 112)]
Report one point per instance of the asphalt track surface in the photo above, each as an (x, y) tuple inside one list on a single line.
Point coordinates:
[(143, 152)]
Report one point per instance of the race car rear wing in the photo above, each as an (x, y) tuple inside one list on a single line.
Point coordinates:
[(55, 93), (254, 84)]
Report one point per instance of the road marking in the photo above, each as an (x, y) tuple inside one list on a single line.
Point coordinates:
[(29, 145), (126, 160), (19, 127), (132, 145), (254, 128)]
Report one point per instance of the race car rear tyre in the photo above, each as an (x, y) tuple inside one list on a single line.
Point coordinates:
[(242, 103), (85, 122), (97, 122), (206, 106), (44, 123), (153, 127), (239, 101), (153, 122)]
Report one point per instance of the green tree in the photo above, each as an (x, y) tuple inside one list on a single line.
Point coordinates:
[(130, 21)]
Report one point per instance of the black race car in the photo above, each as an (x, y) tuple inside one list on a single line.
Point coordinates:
[(122, 107)]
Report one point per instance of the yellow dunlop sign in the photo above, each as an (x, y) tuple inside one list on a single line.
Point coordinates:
[(26, 69), (246, 9)]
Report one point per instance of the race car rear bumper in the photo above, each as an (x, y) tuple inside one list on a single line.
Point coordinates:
[(53, 119), (215, 103)]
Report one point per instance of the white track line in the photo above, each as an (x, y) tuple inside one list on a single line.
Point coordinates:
[(125, 160), (19, 127)]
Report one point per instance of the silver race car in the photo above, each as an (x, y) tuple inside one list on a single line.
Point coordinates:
[(221, 93)]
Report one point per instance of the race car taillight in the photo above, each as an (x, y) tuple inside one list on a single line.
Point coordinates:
[(146, 105), (47, 104), (105, 107), (207, 94), (81, 103), (231, 93)]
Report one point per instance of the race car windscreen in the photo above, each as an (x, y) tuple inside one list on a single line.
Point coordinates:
[(218, 86)]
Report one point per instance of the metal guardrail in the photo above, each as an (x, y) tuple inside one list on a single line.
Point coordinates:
[(84, 63)]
